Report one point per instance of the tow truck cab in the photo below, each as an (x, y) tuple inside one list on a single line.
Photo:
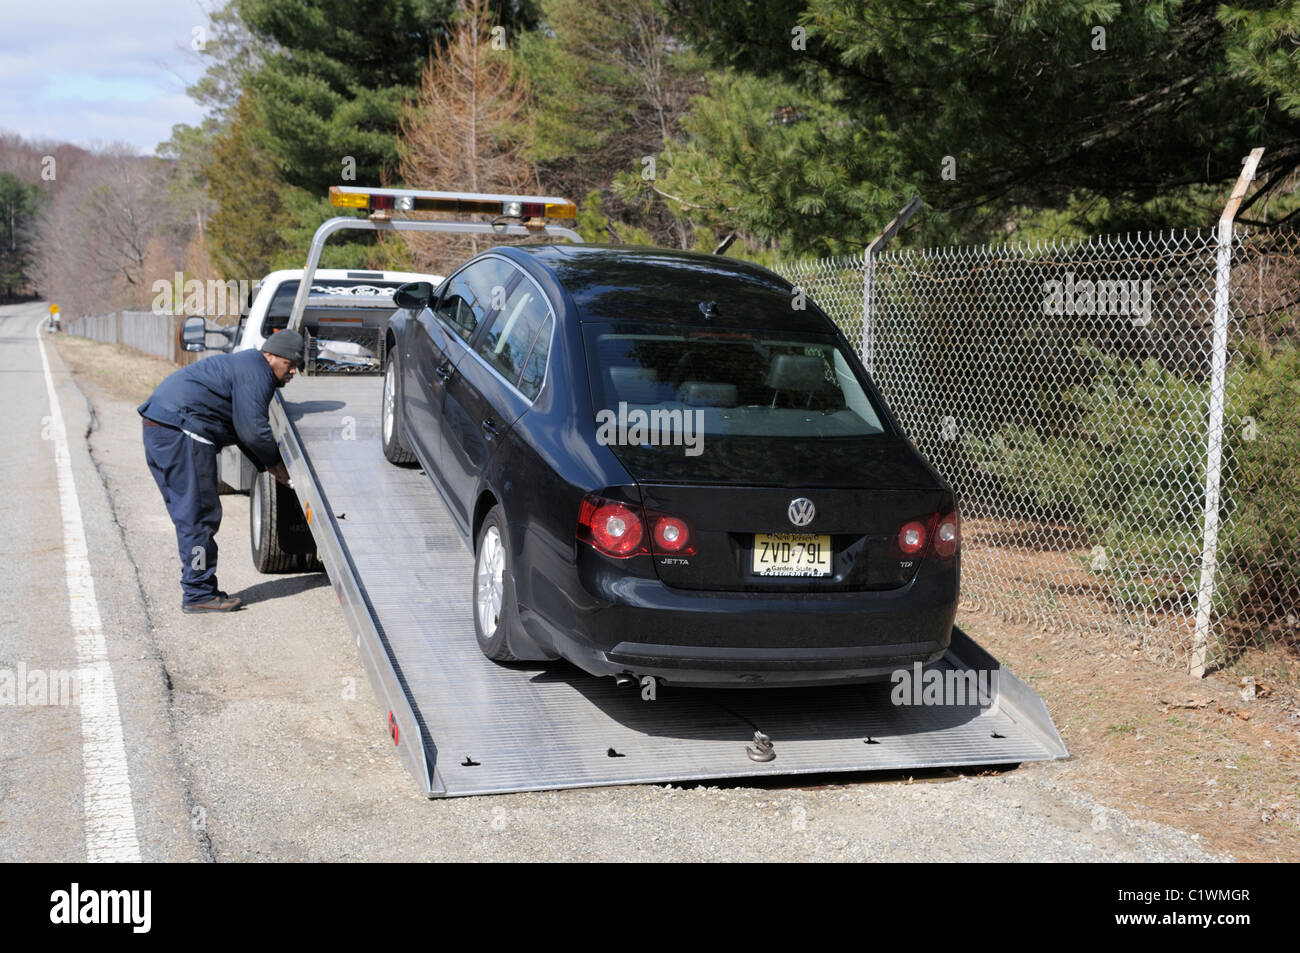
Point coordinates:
[(343, 321)]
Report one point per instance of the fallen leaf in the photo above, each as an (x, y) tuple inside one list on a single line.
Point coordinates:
[(1189, 702)]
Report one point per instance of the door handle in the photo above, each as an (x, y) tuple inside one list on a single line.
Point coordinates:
[(490, 428), (444, 372)]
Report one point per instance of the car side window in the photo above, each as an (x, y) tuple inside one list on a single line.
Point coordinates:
[(456, 309), (511, 340), (474, 294), (530, 382)]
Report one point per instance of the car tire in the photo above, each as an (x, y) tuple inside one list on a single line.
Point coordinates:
[(278, 535), (390, 418), (495, 611)]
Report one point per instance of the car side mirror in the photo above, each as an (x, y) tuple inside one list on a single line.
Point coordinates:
[(194, 333), (414, 295)]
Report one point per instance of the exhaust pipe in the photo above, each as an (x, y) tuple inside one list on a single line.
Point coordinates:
[(648, 684)]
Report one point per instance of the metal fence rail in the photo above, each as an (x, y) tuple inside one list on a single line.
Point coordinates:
[(1065, 391)]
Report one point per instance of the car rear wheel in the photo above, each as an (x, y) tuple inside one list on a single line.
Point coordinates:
[(390, 419), (495, 614)]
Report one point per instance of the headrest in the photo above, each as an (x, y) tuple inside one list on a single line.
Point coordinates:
[(797, 372)]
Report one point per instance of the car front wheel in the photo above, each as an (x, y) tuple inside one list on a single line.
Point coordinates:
[(390, 419)]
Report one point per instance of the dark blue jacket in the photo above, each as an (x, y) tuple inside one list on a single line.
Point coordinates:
[(223, 398)]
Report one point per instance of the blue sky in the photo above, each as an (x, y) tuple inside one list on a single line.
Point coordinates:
[(99, 71)]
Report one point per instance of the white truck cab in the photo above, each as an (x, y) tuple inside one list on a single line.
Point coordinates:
[(341, 306), (273, 296)]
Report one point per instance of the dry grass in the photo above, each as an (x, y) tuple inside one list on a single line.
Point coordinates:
[(1155, 743), (117, 371)]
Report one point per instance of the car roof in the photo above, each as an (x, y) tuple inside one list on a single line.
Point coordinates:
[(617, 283), (357, 274)]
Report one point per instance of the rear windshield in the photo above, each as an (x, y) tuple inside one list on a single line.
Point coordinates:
[(761, 384)]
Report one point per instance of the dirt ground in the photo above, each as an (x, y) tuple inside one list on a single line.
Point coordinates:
[(1144, 738), (118, 371), (1160, 745)]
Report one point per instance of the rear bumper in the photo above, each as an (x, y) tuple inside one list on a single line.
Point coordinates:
[(640, 627), (749, 667)]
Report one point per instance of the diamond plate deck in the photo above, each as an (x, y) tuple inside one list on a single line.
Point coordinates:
[(464, 725)]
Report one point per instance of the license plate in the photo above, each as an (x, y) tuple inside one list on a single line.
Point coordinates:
[(792, 554)]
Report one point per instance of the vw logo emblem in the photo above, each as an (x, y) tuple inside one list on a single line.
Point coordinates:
[(801, 511)]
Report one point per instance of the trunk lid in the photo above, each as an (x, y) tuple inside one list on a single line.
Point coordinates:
[(738, 497)]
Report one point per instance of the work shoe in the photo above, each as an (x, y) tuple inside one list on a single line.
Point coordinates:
[(221, 602)]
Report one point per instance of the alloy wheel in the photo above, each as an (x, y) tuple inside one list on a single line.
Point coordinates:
[(390, 399), (488, 582)]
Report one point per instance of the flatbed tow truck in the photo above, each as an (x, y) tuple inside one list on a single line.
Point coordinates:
[(464, 725)]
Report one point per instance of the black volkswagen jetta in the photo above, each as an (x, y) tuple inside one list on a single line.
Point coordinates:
[(669, 464)]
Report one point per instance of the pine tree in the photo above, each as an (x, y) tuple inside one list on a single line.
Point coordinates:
[(20, 204), (611, 82), (990, 108), (330, 90), (247, 191)]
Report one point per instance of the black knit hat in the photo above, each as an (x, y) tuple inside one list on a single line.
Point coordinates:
[(285, 343)]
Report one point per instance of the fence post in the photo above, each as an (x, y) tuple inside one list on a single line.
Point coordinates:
[(869, 280), (1214, 442), (868, 306)]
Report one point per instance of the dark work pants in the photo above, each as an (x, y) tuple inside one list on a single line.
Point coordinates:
[(186, 472)]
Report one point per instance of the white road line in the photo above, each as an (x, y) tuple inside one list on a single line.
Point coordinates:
[(110, 813)]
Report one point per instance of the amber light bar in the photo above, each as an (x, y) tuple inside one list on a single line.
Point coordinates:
[(463, 203)]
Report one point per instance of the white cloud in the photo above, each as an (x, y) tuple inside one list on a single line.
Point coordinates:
[(87, 71)]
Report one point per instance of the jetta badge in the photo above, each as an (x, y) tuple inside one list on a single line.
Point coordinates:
[(801, 511)]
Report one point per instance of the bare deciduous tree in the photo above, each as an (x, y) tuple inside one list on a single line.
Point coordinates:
[(100, 239), (467, 132)]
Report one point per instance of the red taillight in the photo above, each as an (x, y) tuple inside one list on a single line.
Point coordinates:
[(912, 538), (616, 529), (947, 538), (622, 530), (672, 534), (938, 534)]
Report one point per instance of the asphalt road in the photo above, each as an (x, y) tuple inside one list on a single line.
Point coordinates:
[(255, 736)]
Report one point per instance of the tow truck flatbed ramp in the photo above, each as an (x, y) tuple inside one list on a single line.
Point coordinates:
[(464, 725)]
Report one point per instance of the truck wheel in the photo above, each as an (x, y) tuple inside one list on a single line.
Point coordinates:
[(390, 419), (278, 533), (495, 613)]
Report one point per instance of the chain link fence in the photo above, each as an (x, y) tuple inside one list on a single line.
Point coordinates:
[(1065, 393)]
